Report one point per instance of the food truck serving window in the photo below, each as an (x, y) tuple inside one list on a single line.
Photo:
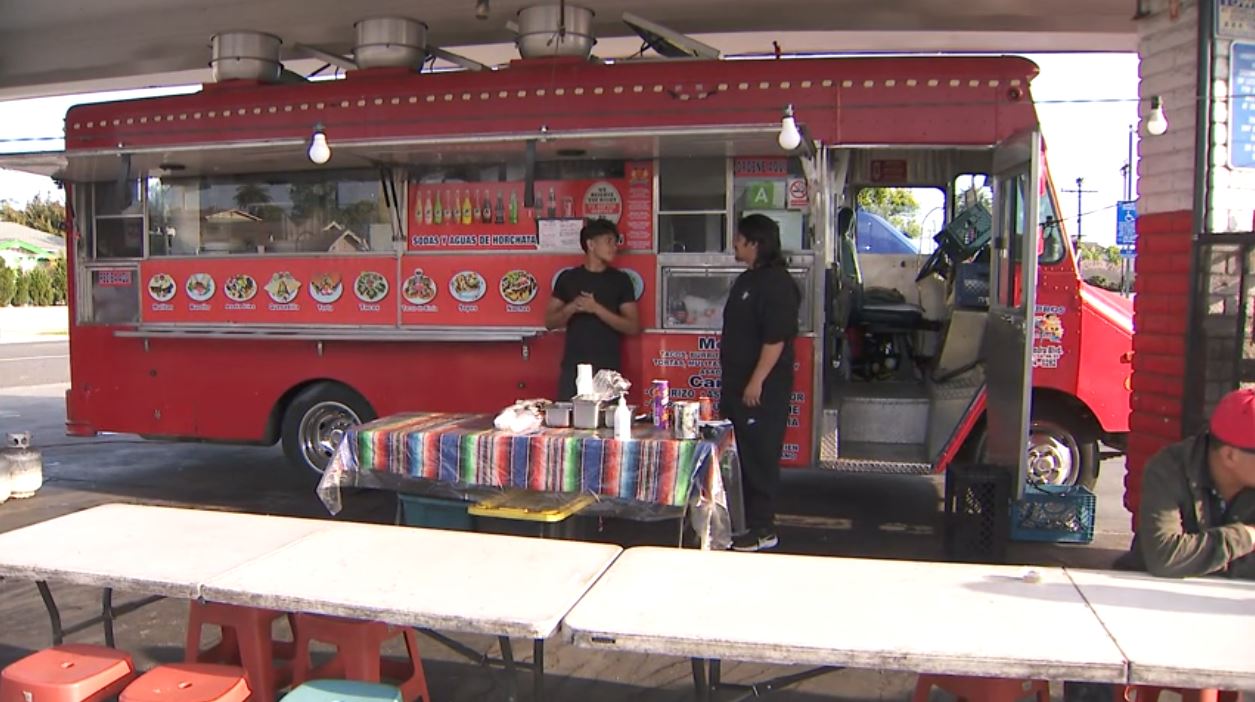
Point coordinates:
[(692, 205), (341, 212)]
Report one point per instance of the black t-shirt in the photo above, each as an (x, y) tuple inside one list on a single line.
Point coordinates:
[(762, 308), (588, 339)]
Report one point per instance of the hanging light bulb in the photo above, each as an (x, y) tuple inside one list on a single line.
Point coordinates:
[(1156, 122), (790, 138), (319, 149), (481, 9)]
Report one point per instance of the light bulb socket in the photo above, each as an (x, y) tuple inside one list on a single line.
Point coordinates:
[(1156, 121), (319, 150), (790, 136)]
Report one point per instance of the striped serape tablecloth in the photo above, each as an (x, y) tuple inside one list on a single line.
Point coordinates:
[(465, 450)]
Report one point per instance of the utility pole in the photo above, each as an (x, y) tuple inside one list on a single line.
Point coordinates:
[(1080, 192)]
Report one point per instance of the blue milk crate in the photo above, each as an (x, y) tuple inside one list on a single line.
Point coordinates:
[(1054, 513)]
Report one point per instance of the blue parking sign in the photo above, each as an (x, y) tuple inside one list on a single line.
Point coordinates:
[(1126, 226)]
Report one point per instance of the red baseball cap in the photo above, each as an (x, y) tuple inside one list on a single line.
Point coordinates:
[(1233, 420)]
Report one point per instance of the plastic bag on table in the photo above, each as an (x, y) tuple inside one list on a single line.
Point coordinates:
[(522, 417), (608, 384)]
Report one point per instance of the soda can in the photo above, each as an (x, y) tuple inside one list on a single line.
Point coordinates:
[(685, 414), (707, 408), (659, 398)]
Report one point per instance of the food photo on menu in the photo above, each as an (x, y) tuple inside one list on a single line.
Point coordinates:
[(283, 287), (240, 288), (162, 287), (326, 288), (518, 287), (467, 286), (419, 288), (371, 286), (200, 287)]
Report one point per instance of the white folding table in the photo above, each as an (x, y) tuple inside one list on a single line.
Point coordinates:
[(1196, 633), (159, 551), (469, 583), (942, 618), (431, 579)]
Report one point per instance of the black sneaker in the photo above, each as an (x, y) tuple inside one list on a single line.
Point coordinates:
[(755, 540)]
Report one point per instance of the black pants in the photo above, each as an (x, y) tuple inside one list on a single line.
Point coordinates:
[(759, 439)]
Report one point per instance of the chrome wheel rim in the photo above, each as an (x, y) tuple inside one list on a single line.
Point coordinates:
[(321, 430), (1053, 455)]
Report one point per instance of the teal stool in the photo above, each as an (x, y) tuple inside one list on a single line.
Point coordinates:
[(343, 691)]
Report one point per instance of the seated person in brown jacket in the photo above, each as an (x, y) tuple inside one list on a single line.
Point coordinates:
[(1197, 515)]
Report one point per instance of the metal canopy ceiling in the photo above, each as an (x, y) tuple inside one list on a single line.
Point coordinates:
[(63, 47)]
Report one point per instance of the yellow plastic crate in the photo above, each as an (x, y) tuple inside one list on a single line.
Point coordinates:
[(528, 506)]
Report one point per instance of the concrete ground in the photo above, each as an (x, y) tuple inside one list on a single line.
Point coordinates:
[(851, 515)]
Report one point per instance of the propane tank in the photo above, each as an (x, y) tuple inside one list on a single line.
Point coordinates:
[(25, 465)]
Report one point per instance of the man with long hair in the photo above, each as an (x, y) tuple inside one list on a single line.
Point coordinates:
[(760, 322)]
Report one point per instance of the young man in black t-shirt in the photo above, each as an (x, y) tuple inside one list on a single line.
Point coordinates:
[(595, 303)]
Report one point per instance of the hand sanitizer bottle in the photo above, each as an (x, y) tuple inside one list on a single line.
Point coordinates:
[(622, 421)]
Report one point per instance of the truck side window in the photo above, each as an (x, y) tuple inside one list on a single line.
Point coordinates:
[(1052, 250), (692, 205)]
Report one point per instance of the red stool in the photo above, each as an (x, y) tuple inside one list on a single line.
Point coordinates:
[(246, 642), (189, 682), (67, 673), (1150, 693), (974, 689), (358, 653)]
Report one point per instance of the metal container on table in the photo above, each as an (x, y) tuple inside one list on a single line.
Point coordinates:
[(607, 414), (558, 415), (684, 418), (587, 412)]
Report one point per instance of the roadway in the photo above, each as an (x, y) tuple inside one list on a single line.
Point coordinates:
[(872, 516), (34, 363)]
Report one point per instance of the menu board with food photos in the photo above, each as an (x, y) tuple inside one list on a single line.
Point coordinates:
[(427, 289), (269, 290), (499, 290)]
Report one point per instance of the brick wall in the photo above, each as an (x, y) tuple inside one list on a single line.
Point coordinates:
[(1159, 318), (1167, 47)]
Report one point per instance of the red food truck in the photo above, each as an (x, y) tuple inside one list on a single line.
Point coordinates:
[(226, 287)]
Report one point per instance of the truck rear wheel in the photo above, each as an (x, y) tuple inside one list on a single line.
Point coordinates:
[(316, 420)]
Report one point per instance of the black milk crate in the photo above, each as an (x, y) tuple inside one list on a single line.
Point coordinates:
[(1054, 513), (977, 499)]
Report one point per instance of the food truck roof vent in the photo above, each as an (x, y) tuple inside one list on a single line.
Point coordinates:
[(390, 42), (245, 55), (544, 31)]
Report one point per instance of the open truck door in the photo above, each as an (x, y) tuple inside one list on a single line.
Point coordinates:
[(1012, 301)]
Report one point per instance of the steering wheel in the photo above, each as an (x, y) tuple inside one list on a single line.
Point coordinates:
[(933, 264), (950, 249)]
